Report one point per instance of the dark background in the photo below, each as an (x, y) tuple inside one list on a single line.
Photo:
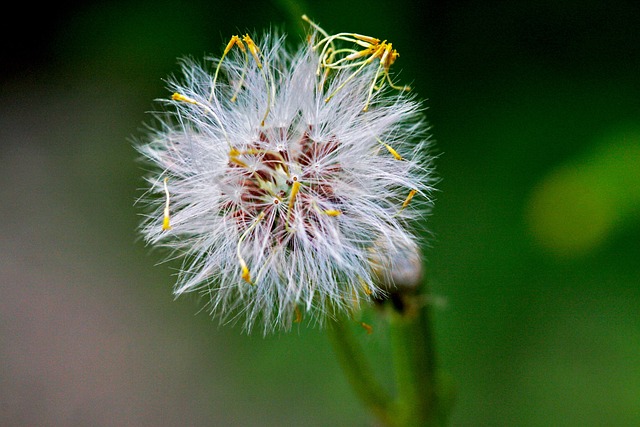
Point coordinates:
[(535, 108)]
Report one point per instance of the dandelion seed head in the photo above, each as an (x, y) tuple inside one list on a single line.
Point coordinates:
[(279, 172)]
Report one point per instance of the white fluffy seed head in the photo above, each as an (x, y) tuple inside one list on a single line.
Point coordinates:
[(275, 197)]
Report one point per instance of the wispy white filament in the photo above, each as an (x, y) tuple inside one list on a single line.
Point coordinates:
[(277, 197)]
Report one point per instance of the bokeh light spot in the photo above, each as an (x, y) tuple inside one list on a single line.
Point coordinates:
[(568, 214), (577, 206)]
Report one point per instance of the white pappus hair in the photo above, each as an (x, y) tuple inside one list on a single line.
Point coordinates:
[(277, 177)]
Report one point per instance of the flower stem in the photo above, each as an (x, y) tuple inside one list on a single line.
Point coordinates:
[(358, 371), (420, 398), (413, 353)]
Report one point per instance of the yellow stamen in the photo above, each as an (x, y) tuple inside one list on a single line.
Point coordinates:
[(292, 196), (356, 55), (183, 98), (253, 49), (268, 79), (404, 88), (292, 199), (238, 162), (367, 328), (409, 197), (233, 157), (244, 71), (165, 221), (393, 55), (367, 39), (298, 314), (393, 152), (347, 80), (234, 41), (336, 59), (246, 275), (389, 55), (332, 212)]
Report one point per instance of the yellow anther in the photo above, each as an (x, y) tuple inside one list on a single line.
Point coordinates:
[(294, 192), (238, 162), (393, 152), (358, 54), (292, 200), (347, 80), (379, 50), (253, 49), (298, 315), (266, 74), (409, 197), (240, 44), (367, 328), (183, 98), (233, 157), (333, 58), (244, 70), (332, 212), (393, 55), (166, 225), (384, 59), (246, 275), (367, 39), (231, 43), (235, 40)]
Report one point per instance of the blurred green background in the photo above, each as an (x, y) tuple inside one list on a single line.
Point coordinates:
[(535, 108)]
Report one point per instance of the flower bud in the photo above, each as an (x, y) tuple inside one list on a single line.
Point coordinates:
[(397, 265)]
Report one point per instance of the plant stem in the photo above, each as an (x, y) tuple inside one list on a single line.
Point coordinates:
[(413, 354), (418, 393), (358, 372)]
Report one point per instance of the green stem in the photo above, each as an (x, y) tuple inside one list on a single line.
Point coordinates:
[(358, 372), (422, 399), (413, 354)]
